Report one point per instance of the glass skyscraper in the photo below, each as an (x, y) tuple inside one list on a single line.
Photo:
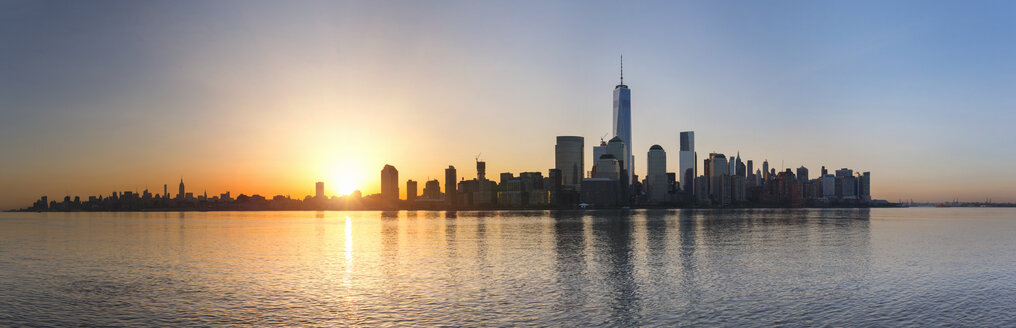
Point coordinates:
[(622, 121)]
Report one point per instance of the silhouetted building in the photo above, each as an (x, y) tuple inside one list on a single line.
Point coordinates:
[(568, 158), (319, 190), (481, 171), (451, 194), (389, 184), (600, 192), (432, 189), (410, 190), (608, 168), (656, 174), (802, 174)]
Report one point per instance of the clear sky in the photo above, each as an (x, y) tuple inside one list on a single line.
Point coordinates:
[(269, 97)]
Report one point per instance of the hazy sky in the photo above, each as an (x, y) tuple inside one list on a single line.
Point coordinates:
[(269, 97)]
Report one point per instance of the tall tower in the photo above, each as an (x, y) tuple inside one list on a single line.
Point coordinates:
[(319, 190), (182, 190), (688, 171), (622, 120)]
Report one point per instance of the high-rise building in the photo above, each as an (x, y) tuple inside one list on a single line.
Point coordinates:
[(451, 195), (183, 191), (828, 182), (389, 183), (802, 174), (618, 148), (319, 190), (740, 169), (656, 174), (719, 182), (432, 189), (481, 171), (864, 186), (410, 190), (608, 167), (596, 152), (568, 157), (622, 121), (750, 167), (688, 170), (765, 170)]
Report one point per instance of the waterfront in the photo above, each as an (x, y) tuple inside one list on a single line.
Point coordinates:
[(793, 267)]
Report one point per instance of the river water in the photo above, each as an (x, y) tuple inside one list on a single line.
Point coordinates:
[(735, 268)]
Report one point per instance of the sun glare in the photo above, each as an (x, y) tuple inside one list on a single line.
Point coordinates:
[(342, 180)]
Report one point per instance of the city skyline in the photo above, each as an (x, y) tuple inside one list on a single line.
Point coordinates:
[(862, 89)]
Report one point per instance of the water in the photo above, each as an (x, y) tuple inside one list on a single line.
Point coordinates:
[(879, 267)]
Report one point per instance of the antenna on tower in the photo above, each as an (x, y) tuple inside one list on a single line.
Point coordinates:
[(622, 68)]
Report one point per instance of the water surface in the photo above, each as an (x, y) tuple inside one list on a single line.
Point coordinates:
[(835, 267)]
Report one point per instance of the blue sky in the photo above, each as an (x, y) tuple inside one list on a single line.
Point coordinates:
[(267, 97)]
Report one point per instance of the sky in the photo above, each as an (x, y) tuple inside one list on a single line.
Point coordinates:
[(269, 97)]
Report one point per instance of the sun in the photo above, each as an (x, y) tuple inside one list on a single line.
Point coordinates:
[(342, 180)]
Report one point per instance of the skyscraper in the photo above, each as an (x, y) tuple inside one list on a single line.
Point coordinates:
[(389, 183), (802, 174), (481, 171), (687, 165), (451, 196), (622, 120), (719, 185), (182, 190), (765, 170), (597, 152), (568, 158), (619, 148), (656, 174), (410, 190), (319, 190)]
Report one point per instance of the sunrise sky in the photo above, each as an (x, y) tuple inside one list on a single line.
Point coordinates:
[(269, 97)]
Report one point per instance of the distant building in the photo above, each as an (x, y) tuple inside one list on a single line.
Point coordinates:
[(688, 170), (656, 174), (183, 192), (608, 167), (719, 182), (410, 190), (864, 186), (319, 190), (432, 189), (481, 171), (597, 152), (389, 184), (828, 182), (451, 194), (802, 174), (622, 124), (600, 192), (568, 158)]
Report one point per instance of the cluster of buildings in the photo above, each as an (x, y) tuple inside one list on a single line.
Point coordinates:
[(187, 201), (609, 182)]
